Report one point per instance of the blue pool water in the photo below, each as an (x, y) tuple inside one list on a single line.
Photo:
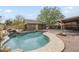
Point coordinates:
[(27, 41)]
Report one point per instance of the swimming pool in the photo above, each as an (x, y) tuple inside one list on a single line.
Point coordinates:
[(27, 41)]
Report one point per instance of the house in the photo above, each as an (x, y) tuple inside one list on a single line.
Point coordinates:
[(34, 25)]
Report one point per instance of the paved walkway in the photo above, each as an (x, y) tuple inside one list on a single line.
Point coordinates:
[(71, 41)]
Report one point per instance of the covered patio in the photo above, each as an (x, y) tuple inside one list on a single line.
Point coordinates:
[(71, 23)]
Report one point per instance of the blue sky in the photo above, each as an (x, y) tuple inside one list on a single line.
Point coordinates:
[(28, 12), (31, 12)]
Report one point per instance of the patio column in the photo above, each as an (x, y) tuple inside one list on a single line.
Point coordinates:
[(36, 26), (62, 27), (77, 25)]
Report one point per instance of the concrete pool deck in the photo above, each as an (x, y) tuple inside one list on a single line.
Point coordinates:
[(55, 44)]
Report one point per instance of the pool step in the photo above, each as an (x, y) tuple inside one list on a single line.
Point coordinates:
[(5, 39)]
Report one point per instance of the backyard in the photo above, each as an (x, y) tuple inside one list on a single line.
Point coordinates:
[(50, 32)]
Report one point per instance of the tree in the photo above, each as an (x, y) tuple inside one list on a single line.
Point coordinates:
[(50, 15), (8, 22), (20, 18), (18, 22)]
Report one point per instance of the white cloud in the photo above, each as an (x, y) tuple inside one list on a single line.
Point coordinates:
[(29, 15), (69, 7), (8, 11), (1, 10), (66, 11)]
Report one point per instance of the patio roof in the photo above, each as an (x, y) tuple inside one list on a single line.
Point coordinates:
[(71, 19), (33, 22)]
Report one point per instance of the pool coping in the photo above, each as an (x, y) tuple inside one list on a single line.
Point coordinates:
[(55, 44)]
